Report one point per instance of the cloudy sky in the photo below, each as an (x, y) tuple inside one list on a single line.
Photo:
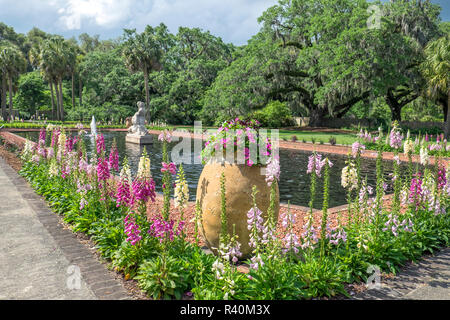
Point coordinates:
[(233, 20)]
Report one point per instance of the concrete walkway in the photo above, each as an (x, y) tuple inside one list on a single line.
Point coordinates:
[(428, 279), (38, 258)]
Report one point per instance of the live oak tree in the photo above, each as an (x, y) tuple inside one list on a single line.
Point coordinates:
[(407, 27), (314, 55), (323, 57), (436, 70)]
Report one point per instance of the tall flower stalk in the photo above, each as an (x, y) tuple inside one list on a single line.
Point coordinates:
[(326, 183), (181, 194), (379, 191), (167, 170), (224, 237)]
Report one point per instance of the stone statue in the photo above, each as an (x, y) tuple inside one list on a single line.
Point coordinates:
[(138, 133), (138, 121)]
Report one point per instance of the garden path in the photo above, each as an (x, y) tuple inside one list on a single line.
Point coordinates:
[(39, 259), (428, 279)]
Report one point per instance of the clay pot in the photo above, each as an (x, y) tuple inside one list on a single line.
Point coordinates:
[(239, 181)]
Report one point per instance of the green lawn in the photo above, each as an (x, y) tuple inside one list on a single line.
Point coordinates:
[(307, 136), (318, 137)]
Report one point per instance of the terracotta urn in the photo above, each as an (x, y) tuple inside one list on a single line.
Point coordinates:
[(239, 181)]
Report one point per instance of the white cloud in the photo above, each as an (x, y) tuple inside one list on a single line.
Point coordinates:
[(233, 20), (104, 13)]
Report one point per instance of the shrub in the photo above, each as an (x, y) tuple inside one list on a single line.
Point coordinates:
[(161, 277), (276, 114), (332, 141), (320, 277)]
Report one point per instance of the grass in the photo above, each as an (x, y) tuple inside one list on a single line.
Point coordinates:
[(309, 136)]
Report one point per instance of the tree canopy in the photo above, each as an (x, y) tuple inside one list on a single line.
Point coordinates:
[(315, 58)]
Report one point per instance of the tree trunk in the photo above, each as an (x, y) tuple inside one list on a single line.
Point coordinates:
[(4, 115), (57, 101), (10, 99), (316, 117), (73, 92), (53, 99), (61, 99), (80, 89), (147, 99), (396, 108), (447, 121), (444, 102)]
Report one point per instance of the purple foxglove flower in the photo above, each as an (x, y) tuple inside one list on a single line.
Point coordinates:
[(169, 167), (100, 143), (102, 170)]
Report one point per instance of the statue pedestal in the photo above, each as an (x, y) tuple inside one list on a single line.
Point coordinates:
[(139, 139)]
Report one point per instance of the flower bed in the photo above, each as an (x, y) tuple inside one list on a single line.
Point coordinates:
[(144, 239), (424, 146)]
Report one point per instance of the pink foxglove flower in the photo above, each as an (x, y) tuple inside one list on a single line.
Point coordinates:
[(114, 158), (169, 167), (165, 230), (103, 173), (165, 136), (255, 224), (395, 138), (316, 163), (100, 144), (272, 171), (357, 148), (42, 134), (55, 137), (132, 230), (123, 193), (143, 190)]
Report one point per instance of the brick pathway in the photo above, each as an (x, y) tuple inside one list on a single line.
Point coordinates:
[(39, 259), (428, 279)]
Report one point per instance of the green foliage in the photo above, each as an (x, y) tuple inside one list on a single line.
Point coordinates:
[(275, 280), (161, 277), (320, 277), (275, 115), (32, 94)]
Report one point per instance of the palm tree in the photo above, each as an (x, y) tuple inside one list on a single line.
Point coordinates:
[(80, 58), (72, 65), (436, 71), (41, 59), (3, 97), (143, 52), (55, 55), (12, 63)]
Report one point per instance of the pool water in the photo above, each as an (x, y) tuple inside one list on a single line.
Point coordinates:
[(294, 182)]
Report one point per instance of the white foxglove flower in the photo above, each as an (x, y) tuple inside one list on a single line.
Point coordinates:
[(144, 168), (424, 158), (349, 177), (408, 147)]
